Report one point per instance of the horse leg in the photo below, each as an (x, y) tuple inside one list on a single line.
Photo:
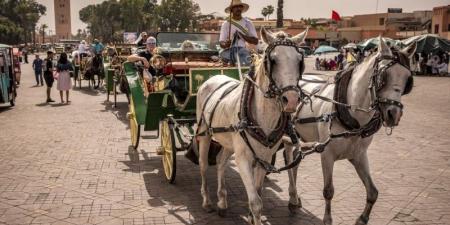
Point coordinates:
[(294, 201), (222, 160), (328, 190), (244, 161), (361, 165), (204, 143)]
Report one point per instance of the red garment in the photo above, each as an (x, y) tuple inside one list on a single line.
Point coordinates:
[(335, 16)]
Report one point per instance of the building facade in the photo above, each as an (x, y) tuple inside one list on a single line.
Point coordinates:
[(441, 21), (393, 24), (63, 28)]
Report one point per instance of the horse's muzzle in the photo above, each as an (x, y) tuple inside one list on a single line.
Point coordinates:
[(392, 115), (290, 100)]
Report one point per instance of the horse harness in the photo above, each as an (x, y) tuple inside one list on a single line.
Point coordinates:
[(377, 82), (247, 124)]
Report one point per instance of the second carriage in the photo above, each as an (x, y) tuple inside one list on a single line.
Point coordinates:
[(189, 59)]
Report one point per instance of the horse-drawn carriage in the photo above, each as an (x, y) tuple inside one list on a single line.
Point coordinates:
[(114, 57), (266, 106), (167, 104), (7, 75)]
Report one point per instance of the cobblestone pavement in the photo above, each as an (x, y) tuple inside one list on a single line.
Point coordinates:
[(71, 164)]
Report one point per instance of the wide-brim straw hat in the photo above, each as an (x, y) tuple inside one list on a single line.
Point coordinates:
[(237, 3)]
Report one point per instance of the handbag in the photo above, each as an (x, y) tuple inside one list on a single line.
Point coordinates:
[(55, 75)]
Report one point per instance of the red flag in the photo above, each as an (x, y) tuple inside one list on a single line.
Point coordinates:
[(335, 16)]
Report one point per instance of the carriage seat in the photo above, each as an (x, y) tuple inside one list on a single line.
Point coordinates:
[(194, 64)]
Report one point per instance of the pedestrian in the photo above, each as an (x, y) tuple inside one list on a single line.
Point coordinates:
[(25, 54), (48, 74), (64, 82), (37, 67)]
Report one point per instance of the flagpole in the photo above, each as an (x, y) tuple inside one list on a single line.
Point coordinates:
[(377, 8)]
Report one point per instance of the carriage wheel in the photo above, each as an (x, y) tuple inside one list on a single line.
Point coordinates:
[(169, 151), (135, 128)]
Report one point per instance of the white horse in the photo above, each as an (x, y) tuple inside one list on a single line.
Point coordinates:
[(372, 93), (251, 123)]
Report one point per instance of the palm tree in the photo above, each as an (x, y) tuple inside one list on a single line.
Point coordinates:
[(280, 14), (270, 11), (43, 27), (264, 12)]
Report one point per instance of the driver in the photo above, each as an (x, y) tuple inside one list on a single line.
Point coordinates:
[(242, 31)]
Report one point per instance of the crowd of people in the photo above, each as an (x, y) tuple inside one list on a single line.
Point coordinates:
[(49, 70), (424, 64), (334, 63), (431, 64)]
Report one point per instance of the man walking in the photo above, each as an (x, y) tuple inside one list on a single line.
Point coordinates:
[(25, 54), (235, 32), (48, 74), (37, 67)]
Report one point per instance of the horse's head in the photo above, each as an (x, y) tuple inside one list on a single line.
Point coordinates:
[(392, 79), (284, 65)]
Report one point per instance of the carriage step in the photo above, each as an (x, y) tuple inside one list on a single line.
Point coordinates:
[(149, 136)]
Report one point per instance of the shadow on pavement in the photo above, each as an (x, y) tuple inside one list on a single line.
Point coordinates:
[(120, 111), (90, 90), (43, 104), (6, 108), (183, 198)]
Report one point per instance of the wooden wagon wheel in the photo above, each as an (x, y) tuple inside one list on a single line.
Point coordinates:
[(135, 128), (169, 151)]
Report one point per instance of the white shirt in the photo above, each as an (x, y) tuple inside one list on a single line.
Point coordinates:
[(245, 22), (82, 48)]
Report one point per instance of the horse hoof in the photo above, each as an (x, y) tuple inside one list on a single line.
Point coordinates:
[(208, 208), (222, 212), (294, 209), (250, 219), (327, 221), (361, 221)]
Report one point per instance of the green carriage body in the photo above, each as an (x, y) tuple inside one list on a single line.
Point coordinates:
[(156, 108), (158, 105)]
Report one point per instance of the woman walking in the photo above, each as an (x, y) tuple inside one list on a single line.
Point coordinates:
[(64, 81)]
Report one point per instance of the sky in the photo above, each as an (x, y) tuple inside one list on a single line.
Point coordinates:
[(293, 9)]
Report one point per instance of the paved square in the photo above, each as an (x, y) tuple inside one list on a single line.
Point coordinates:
[(71, 164)]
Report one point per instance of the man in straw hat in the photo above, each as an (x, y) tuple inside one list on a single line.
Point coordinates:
[(235, 32)]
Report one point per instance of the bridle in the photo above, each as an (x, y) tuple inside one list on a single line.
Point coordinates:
[(274, 90), (379, 79)]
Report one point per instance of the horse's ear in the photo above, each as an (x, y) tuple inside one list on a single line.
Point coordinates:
[(267, 36), (300, 38), (383, 48), (410, 49)]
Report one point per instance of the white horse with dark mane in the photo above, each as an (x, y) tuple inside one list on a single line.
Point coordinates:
[(347, 112), (249, 118)]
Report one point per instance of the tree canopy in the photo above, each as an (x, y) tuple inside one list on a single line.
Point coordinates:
[(267, 11), (108, 20), (18, 19)]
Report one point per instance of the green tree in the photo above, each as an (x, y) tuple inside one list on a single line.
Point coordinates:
[(280, 14), (181, 14), (108, 20), (270, 10), (42, 29), (264, 12), (19, 19)]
